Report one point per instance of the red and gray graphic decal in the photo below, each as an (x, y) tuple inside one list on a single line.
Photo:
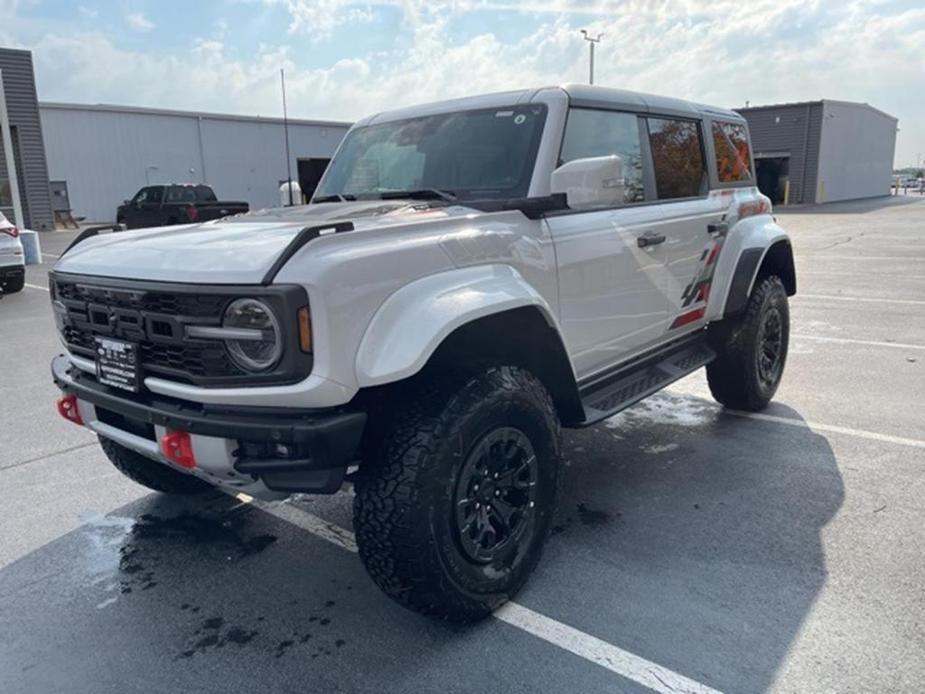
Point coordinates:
[(698, 291)]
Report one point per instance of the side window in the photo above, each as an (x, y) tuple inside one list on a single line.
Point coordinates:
[(205, 194), (591, 133), (181, 194), (733, 158), (141, 196), (677, 158), (154, 194)]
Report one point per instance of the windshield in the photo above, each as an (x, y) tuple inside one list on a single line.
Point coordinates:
[(463, 155)]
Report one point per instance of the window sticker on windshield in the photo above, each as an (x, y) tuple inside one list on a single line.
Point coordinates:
[(504, 114), (519, 119)]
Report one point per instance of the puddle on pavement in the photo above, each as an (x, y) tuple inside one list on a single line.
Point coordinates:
[(124, 553)]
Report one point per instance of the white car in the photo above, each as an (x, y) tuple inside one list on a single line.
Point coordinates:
[(470, 277), (12, 267)]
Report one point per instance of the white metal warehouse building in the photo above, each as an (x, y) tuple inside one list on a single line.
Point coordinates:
[(100, 155)]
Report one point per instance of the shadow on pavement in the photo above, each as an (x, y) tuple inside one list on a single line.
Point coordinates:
[(692, 538)]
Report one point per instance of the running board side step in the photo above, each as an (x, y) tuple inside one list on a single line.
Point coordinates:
[(630, 384)]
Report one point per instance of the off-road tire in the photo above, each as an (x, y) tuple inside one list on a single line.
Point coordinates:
[(404, 509), (14, 285), (150, 473), (735, 377)]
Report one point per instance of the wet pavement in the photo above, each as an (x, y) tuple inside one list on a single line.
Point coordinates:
[(745, 554)]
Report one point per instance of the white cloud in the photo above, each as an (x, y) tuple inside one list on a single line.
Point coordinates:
[(317, 18), (716, 52), (138, 22), (88, 12)]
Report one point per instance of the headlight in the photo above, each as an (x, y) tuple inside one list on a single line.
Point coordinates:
[(260, 345)]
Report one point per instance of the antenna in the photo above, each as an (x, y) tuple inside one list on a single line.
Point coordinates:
[(282, 81)]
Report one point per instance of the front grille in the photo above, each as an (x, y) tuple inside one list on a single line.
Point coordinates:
[(167, 303), (154, 316), (154, 320)]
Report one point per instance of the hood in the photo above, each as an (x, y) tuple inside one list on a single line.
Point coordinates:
[(236, 250)]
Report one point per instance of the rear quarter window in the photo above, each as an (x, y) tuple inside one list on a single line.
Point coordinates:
[(733, 157)]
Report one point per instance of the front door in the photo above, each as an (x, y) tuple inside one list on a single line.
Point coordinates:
[(150, 212), (611, 291), (612, 301)]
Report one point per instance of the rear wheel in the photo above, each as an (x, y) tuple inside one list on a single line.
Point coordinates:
[(452, 517), (752, 349), (149, 473)]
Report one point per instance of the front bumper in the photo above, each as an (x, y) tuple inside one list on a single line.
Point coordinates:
[(254, 450), (11, 272)]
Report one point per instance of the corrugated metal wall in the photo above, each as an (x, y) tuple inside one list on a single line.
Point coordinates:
[(105, 154), (856, 152), (28, 145), (794, 129)]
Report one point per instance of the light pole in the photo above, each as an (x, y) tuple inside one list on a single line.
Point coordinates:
[(591, 41), (149, 167)]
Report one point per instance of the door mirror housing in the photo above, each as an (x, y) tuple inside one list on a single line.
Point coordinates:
[(590, 182)]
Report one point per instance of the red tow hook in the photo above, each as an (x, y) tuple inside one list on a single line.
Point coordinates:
[(177, 447), (67, 408)]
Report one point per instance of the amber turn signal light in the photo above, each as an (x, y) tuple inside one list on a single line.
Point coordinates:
[(305, 329)]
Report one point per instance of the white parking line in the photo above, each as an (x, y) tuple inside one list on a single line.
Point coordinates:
[(618, 661), (815, 426), (35, 286), (862, 258), (591, 648), (865, 299), (867, 274), (848, 341), (50, 255)]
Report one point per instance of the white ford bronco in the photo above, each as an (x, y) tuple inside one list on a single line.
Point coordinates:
[(469, 277)]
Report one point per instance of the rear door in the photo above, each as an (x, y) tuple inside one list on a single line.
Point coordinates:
[(611, 290), (689, 213)]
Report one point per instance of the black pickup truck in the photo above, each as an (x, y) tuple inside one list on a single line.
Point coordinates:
[(161, 205)]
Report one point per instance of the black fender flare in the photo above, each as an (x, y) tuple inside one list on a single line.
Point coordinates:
[(778, 257), (741, 284)]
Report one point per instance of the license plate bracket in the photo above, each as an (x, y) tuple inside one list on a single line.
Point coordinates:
[(117, 364)]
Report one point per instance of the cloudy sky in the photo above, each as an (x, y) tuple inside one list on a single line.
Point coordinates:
[(344, 59)]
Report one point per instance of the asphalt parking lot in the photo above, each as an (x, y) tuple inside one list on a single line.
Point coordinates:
[(694, 549)]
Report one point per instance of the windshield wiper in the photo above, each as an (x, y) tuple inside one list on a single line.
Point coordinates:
[(335, 198), (419, 194)]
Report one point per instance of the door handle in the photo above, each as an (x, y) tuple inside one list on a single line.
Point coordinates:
[(650, 238), (718, 230)]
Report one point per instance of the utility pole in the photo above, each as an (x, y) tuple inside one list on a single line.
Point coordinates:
[(591, 41), (282, 81)]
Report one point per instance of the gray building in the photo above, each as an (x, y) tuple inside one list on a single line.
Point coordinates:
[(28, 147), (822, 151), (100, 155)]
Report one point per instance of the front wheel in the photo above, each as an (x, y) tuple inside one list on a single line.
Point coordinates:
[(451, 519), (752, 349)]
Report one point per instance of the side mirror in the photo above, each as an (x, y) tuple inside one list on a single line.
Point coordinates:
[(590, 182)]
